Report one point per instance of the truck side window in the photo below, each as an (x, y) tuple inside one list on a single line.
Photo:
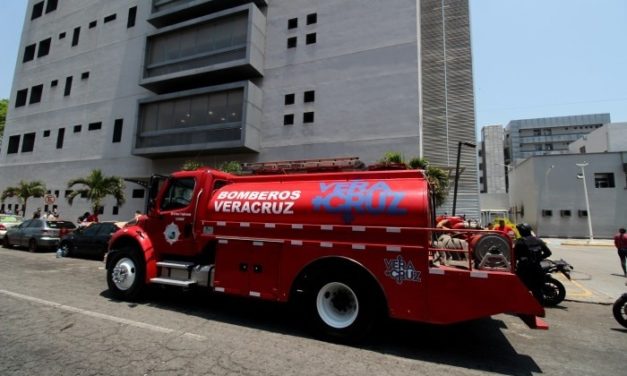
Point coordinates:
[(179, 194), (219, 184)]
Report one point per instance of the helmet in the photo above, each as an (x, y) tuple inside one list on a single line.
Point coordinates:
[(524, 229)]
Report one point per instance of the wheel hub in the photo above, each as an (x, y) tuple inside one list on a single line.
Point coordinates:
[(123, 274), (337, 305)]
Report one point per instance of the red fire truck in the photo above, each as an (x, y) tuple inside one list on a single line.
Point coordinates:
[(348, 247)]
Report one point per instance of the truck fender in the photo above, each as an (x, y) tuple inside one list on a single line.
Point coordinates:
[(134, 237)]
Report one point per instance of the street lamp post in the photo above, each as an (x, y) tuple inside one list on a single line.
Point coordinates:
[(585, 191), (459, 151)]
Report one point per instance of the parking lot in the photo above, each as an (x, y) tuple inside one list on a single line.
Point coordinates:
[(56, 318)]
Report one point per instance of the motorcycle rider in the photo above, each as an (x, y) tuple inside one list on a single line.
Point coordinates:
[(529, 251)]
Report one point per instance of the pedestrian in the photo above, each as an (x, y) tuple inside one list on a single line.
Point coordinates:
[(620, 241), (529, 251), (505, 229), (37, 213)]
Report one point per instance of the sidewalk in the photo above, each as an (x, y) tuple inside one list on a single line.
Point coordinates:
[(581, 242)]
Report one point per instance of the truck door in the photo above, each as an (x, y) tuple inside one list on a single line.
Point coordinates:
[(170, 225)]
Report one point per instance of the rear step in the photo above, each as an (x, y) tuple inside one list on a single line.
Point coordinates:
[(185, 265), (173, 282)]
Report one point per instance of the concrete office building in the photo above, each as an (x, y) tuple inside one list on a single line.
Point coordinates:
[(547, 136), (138, 87), (492, 174)]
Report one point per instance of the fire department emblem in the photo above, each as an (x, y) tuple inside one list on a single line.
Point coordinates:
[(401, 270), (172, 233)]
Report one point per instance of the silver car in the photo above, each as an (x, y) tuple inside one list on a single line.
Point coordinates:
[(37, 233), (8, 221)]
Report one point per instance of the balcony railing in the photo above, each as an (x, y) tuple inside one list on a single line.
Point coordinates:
[(169, 12)]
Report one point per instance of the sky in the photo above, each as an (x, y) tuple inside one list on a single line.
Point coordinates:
[(531, 58)]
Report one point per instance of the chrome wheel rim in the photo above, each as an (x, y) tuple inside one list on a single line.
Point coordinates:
[(124, 273)]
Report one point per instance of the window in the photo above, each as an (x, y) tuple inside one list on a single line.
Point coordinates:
[(604, 180), (76, 35), (289, 99), (582, 213), (77, 128), (29, 142), (54, 83), (548, 147), (14, 144), (44, 47), (138, 193), (547, 213), (179, 194), (29, 53), (115, 211), (132, 15), (68, 86), (110, 18), (310, 38), (94, 126), (308, 117), (547, 131), (312, 18), (52, 5), (38, 10), (35, 94), (67, 192), (288, 119), (291, 42), (60, 135), (20, 98), (93, 24), (537, 132), (565, 213), (310, 96), (117, 130), (292, 23), (84, 75), (47, 133), (62, 35)]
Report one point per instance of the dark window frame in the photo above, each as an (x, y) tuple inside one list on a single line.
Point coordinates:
[(14, 144), (292, 42), (44, 47), (292, 23), (309, 96), (93, 24), (311, 38), (138, 193), (312, 18), (604, 180), (60, 138), (84, 75), (132, 17), (290, 99), (94, 126), (76, 34), (117, 130), (288, 119), (309, 117), (28, 142), (38, 10), (68, 86), (29, 53), (21, 98), (36, 93), (78, 128), (51, 6), (110, 18)]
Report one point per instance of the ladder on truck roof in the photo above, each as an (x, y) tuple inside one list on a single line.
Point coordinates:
[(304, 166)]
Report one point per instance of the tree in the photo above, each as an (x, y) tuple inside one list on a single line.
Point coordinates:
[(25, 190), (232, 167), (96, 187), (4, 104)]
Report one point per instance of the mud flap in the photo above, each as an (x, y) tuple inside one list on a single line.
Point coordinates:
[(534, 322)]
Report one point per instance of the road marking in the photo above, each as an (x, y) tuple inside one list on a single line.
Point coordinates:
[(585, 294), (137, 324)]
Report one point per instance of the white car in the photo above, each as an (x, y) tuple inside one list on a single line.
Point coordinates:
[(7, 221)]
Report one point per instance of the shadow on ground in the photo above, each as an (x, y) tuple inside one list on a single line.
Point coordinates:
[(479, 344)]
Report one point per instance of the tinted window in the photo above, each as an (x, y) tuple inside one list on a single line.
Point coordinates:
[(25, 224), (107, 229), (61, 224), (91, 230), (36, 223), (179, 194)]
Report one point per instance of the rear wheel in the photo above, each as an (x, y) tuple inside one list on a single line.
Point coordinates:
[(620, 310), (32, 245), (342, 307), (553, 292), (125, 276)]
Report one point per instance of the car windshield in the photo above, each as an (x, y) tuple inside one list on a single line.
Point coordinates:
[(61, 224), (10, 218)]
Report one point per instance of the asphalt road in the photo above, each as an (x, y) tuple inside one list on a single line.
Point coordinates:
[(56, 318)]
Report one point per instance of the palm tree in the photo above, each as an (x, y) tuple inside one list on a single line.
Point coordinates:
[(96, 187), (25, 190)]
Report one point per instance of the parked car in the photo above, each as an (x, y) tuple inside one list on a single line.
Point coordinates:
[(7, 221), (37, 234), (89, 241)]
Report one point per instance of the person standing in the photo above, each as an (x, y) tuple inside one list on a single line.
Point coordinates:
[(620, 241)]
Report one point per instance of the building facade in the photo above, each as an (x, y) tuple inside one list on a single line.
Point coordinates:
[(493, 176), (547, 136), (137, 88)]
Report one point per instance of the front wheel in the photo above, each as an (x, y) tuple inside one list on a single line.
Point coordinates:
[(553, 292), (341, 308), (125, 276), (620, 310)]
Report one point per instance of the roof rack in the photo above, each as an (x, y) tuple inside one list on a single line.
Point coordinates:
[(304, 166)]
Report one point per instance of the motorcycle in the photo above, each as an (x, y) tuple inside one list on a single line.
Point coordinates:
[(620, 310), (553, 291)]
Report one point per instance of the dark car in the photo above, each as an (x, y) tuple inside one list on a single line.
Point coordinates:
[(37, 234), (89, 241)]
